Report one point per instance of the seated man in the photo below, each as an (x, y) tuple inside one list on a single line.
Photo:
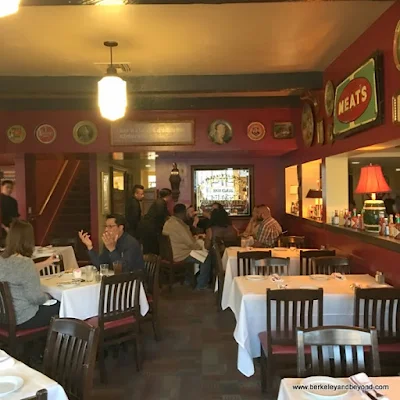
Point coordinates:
[(118, 246), (182, 243), (269, 229)]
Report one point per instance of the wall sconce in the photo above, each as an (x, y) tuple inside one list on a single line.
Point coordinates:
[(396, 109)]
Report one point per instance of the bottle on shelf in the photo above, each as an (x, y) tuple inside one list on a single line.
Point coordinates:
[(360, 222), (341, 218), (391, 226), (336, 218), (381, 224), (386, 231)]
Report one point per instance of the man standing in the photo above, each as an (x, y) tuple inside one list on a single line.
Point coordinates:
[(183, 242), (119, 246), (134, 210), (269, 229), (8, 206)]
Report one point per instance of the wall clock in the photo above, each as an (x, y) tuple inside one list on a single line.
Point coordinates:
[(307, 124), (396, 46), (329, 98)]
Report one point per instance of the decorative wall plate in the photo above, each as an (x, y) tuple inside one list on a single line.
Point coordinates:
[(85, 132), (307, 124), (330, 138), (45, 134), (396, 46), (329, 98), (220, 132), (256, 131), (16, 134), (320, 132)]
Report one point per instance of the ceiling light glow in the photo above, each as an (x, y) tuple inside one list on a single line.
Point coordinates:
[(8, 7)]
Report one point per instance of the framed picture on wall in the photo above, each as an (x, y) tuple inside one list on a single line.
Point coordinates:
[(282, 130), (105, 193)]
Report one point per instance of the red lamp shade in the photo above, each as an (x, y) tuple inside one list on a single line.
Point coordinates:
[(372, 180)]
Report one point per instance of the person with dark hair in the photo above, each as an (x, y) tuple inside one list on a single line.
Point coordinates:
[(8, 206), (18, 269), (221, 228), (119, 246), (133, 211), (183, 242), (192, 220), (151, 225)]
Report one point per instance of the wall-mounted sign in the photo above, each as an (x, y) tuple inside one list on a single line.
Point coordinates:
[(256, 131), (45, 134), (152, 133), (85, 132), (358, 99), (16, 134)]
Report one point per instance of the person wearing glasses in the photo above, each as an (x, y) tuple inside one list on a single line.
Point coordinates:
[(119, 246)]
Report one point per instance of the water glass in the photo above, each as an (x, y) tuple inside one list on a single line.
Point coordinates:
[(90, 273), (117, 267), (103, 269)]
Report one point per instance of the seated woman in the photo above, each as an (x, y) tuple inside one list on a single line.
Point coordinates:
[(254, 224), (221, 228), (17, 268)]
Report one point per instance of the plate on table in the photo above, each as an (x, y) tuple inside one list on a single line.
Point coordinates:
[(319, 277), (10, 384), (255, 277), (318, 392)]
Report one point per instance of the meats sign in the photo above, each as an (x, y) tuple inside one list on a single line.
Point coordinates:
[(358, 99)]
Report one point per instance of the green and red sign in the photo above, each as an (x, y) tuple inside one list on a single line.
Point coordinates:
[(358, 100)]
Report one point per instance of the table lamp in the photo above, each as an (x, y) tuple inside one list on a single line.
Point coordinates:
[(371, 182), (317, 195)]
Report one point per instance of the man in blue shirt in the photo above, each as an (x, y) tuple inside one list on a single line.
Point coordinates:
[(118, 246)]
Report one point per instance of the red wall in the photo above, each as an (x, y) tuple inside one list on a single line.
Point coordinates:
[(64, 122), (379, 36)]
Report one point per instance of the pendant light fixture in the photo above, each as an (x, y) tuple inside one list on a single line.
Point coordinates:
[(8, 7), (112, 95)]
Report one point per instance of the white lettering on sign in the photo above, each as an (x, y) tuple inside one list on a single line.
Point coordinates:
[(355, 99)]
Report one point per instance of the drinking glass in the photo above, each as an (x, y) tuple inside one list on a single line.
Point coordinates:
[(89, 272), (103, 269), (117, 267)]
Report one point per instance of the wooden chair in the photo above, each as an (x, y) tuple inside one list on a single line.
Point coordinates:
[(338, 351), (152, 286), (306, 257), (40, 395), (330, 264), (219, 272), (277, 265), (70, 356), (291, 241), (119, 315), (246, 262), (51, 269), (380, 308), (171, 269), (278, 342), (10, 335)]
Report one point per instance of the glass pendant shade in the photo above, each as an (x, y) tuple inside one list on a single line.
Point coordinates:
[(8, 7), (112, 97)]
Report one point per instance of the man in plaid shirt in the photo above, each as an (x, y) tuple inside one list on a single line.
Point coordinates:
[(269, 229)]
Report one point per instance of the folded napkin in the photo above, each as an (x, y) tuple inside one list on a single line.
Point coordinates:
[(6, 361), (339, 276), (276, 278), (365, 385), (50, 302)]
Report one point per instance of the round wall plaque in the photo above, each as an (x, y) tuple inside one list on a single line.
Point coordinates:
[(396, 46), (220, 132), (16, 134), (46, 134), (85, 132), (256, 131), (307, 124), (329, 98)]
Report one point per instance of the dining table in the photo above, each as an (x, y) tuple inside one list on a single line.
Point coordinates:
[(30, 380), (67, 253), (80, 299), (247, 300)]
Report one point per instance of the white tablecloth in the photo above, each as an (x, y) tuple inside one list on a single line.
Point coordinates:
[(229, 261), (66, 252), (287, 392), (81, 302), (33, 381), (247, 299)]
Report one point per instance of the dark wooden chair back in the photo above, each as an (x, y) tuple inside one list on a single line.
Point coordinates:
[(51, 269), (379, 308), (152, 273), (277, 265), (40, 395), (330, 264), (246, 262), (338, 351), (291, 241), (293, 308), (7, 312), (70, 356), (166, 249), (119, 297), (306, 257)]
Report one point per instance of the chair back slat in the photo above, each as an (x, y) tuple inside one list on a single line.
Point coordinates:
[(7, 312), (338, 351), (52, 269), (277, 265), (379, 308), (330, 264), (70, 356), (291, 241), (40, 395), (246, 261), (152, 273), (306, 257)]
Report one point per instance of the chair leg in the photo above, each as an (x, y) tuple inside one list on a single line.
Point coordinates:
[(263, 362), (269, 376), (156, 326), (102, 365), (171, 278), (137, 352)]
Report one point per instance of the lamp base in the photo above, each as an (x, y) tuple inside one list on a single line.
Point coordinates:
[(371, 211)]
